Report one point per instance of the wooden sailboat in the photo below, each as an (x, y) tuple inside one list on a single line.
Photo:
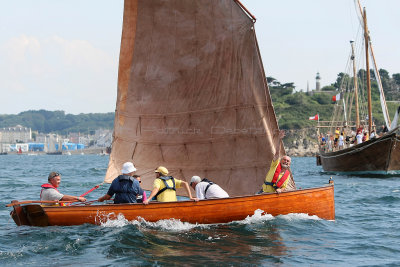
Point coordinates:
[(314, 201), (377, 155), (192, 96)]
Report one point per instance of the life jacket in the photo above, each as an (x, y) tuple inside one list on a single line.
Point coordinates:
[(46, 186), (167, 187), (125, 190), (275, 183), (208, 186)]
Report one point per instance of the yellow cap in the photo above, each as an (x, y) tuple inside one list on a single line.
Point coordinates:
[(162, 170)]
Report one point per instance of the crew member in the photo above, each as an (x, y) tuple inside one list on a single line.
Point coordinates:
[(279, 177), (125, 187), (50, 191), (140, 198), (206, 189), (164, 187)]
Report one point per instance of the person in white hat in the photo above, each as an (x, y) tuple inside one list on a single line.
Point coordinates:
[(164, 187), (125, 187), (206, 189)]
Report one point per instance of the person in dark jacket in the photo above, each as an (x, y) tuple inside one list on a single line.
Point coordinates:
[(125, 187)]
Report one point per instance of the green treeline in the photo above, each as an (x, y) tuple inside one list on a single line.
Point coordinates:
[(45, 121), (292, 108)]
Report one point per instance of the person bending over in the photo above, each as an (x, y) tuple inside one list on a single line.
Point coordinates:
[(206, 189)]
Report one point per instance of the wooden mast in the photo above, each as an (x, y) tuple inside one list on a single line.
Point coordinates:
[(366, 37), (385, 110), (355, 85)]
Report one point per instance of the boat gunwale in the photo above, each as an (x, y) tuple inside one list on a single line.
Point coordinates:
[(202, 202)]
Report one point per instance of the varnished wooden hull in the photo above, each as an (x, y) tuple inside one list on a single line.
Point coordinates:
[(376, 155), (314, 201)]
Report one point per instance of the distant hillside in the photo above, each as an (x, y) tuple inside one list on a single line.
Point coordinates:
[(58, 122), (292, 108)]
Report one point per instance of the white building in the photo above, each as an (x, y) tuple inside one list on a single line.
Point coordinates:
[(15, 134), (103, 137)]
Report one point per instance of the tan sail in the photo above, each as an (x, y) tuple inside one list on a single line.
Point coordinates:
[(192, 95)]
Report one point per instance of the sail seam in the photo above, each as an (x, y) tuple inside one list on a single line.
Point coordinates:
[(154, 115), (204, 141)]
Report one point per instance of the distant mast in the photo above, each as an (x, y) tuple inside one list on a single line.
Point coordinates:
[(355, 84), (368, 72), (377, 75)]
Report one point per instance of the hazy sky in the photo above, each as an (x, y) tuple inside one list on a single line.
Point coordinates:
[(63, 54)]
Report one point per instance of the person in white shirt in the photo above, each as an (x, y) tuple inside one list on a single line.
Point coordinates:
[(359, 137), (341, 141), (206, 189)]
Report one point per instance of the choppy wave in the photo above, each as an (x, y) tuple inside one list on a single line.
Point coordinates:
[(380, 200), (174, 225), (164, 225)]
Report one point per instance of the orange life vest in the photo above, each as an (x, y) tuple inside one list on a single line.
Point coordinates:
[(275, 183)]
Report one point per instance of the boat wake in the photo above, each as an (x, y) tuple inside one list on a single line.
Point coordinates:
[(261, 216), (165, 225), (175, 225), (299, 217)]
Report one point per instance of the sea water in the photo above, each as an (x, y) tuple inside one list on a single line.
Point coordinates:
[(366, 231)]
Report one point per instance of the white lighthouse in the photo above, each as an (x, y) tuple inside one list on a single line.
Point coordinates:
[(318, 82)]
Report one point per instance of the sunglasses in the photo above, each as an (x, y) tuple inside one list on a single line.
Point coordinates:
[(191, 183), (55, 175)]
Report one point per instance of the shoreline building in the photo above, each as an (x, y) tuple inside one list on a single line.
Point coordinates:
[(16, 134)]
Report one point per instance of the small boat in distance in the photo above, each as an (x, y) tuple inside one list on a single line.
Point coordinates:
[(193, 97)]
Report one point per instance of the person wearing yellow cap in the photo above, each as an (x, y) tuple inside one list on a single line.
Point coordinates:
[(164, 187)]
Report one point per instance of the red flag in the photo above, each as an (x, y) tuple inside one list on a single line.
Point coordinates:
[(314, 118), (336, 97)]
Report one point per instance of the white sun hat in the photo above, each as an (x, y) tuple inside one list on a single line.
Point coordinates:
[(128, 167)]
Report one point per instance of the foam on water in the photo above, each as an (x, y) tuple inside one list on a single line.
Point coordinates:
[(299, 217), (261, 216), (257, 217), (120, 221), (171, 225), (164, 225), (175, 225)]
